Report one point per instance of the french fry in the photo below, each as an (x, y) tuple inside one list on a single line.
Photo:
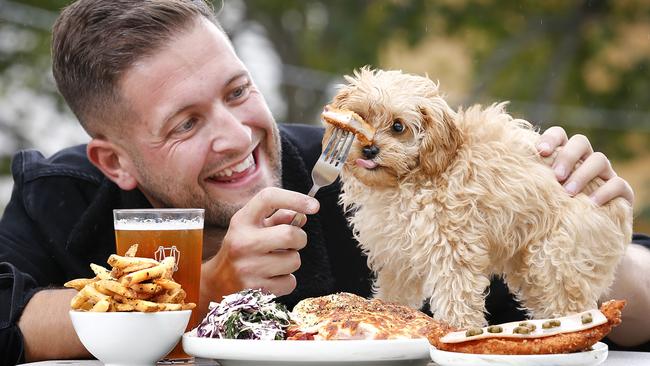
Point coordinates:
[(144, 275), (78, 300), (103, 289), (163, 306), (114, 287), (167, 284), (169, 263), (117, 273), (123, 262), (123, 307), (101, 306), (137, 267), (175, 296), (87, 306), (132, 284), (143, 305), (133, 249), (169, 307), (146, 288), (163, 270), (78, 283), (188, 306), (91, 293), (101, 272)]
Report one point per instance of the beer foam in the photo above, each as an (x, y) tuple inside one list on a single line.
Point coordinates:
[(152, 224)]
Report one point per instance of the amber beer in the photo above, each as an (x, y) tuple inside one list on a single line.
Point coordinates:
[(160, 233)]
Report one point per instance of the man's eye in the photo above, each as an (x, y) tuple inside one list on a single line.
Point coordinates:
[(187, 125), (239, 92)]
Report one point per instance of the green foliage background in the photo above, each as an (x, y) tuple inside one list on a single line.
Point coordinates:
[(583, 65)]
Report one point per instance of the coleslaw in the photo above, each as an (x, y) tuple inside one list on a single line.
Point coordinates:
[(248, 314)]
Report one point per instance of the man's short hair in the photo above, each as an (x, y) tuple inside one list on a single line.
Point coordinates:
[(94, 42)]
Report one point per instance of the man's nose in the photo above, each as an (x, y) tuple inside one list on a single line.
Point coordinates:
[(369, 152), (231, 132)]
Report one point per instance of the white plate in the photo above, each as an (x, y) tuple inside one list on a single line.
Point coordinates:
[(588, 358), (231, 352)]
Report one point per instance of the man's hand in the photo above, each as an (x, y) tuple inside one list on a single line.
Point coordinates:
[(260, 249), (594, 164)]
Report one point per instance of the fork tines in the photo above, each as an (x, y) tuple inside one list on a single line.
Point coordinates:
[(338, 146)]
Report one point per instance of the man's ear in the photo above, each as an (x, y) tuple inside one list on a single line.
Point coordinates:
[(113, 162)]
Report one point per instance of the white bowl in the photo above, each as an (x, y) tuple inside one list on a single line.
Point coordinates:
[(130, 338)]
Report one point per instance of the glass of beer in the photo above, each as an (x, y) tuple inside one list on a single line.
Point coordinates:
[(161, 233)]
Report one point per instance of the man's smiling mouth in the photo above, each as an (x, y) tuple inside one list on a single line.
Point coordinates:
[(235, 172)]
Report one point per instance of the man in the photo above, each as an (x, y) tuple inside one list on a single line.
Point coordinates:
[(176, 121)]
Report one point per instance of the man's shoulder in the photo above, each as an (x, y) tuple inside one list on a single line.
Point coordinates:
[(30, 165), (306, 138)]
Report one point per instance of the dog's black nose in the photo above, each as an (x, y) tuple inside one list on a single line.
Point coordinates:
[(370, 152)]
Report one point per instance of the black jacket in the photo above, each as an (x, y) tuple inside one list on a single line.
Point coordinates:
[(60, 219)]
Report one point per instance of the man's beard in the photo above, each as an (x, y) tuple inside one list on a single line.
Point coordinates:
[(217, 214)]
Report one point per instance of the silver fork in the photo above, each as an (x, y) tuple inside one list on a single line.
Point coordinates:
[(329, 163)]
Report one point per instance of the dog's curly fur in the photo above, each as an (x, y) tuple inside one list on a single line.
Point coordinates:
[(460, 196)]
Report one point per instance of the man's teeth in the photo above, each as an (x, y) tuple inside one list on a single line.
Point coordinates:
[(247, 163)]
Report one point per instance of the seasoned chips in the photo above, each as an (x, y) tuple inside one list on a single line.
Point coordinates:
[(132, 284)]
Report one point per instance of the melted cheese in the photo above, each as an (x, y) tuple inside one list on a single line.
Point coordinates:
[(347, 316), (571, 323)]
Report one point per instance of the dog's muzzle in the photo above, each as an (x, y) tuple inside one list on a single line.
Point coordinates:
[(369, 152)]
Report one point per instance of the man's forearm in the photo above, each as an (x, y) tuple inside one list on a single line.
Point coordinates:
[(633, 284), (47, 329)]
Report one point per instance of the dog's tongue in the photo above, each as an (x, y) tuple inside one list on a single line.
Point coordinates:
[(368, 164)]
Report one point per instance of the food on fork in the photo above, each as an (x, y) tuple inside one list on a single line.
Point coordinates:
[(248, 314), (133, 284), (349, 121), (347, 316), (568, 334)]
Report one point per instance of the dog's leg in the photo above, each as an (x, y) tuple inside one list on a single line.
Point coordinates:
[(458, 294), (396, 286), (561, 276)]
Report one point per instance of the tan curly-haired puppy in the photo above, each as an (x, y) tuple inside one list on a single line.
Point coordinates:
[(445, 199)]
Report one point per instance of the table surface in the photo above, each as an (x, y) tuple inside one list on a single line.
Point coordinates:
[(614, 358)]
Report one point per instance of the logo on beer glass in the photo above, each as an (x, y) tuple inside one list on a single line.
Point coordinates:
[(164, 252)]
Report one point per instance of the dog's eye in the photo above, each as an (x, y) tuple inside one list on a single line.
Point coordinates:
[(398, 126)]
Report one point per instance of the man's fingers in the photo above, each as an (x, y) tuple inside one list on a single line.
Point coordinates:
[(281, 237), (280, 217), (613, 188), (596, 165), (276, 263), (576, 148), (270, 239), (269, 200), (280, 262), (551, 139), (281, 285)]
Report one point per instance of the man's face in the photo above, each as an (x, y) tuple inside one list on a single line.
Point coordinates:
[(201, 134)]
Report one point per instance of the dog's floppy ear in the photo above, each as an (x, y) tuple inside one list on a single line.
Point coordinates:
[(441, 139)]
